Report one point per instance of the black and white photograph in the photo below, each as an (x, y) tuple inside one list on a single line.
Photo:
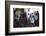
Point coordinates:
[(26, 17)]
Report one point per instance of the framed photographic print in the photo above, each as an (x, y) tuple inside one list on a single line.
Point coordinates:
[(24, 17)]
